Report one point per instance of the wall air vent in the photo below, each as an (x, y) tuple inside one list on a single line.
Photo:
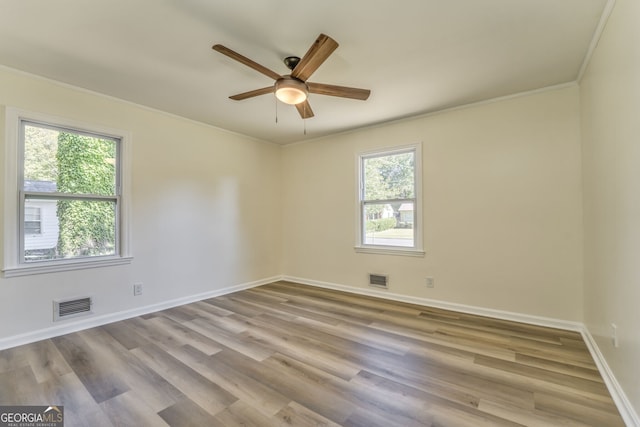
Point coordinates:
[(65, 309), (378, 280)]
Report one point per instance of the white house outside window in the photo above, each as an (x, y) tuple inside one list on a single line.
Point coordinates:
[(389, 199)]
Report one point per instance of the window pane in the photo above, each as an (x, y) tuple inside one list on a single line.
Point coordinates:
[(40, 148), (75, 228), (31, 220), (389, 177), (31, 227), (388, 224), (68, 162), (31, 213)]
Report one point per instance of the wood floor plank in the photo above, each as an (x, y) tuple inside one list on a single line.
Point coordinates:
[(156, 334), (308, 391), (66, 390), (529, 418), (285, 354), (142, 379), (89, 416), (297, 415), (186, 413), (208, 395), (209, 306), (129, 409), (497, 327), (325, 308), (557, 353), (80, 408), (493, 382), (46, 361), (587, 386), (98, 377), (460, 376), (185, 335), (128, 337), (588, 414), (418, 400), (452, 341), (359, 334), (13, 358), (19, 386), (262, 305), (265, 399), (389, 388), (179, 314), (447, 416), (590, 373), (226, 302), (286, 341), (243, 343), (302, 313), (242, 414), (365, 418), (229, 322)]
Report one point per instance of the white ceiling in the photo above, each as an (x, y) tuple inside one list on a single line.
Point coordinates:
[(416, 56)]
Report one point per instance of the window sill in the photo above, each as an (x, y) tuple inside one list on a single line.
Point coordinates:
[(58, 266), (389, 250)]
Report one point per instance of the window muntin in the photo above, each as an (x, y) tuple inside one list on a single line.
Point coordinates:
[(388, 192), (79, 172)]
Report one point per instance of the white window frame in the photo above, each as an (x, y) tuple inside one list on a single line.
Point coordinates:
[(13, 265), (361, 247)]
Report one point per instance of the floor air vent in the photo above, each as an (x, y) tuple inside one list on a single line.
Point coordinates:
[(378, 280), (65, 309)]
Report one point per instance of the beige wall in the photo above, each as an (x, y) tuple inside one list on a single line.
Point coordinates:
[(502, 207), (610, 99), (206, 209)]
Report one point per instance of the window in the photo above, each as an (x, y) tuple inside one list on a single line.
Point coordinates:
[(389, 191), (64, 196), (32, 220)]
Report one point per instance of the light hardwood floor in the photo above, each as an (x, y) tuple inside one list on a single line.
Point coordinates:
[(290, 355)]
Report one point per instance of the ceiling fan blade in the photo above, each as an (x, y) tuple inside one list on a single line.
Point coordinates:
[(315, 56), (341, 91), (252, 93), (305, 110), (246, 61)]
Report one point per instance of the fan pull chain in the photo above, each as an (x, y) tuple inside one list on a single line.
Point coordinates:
[(304, 121), (276, 99)]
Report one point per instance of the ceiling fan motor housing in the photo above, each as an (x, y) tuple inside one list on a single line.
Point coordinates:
[(291, 62)]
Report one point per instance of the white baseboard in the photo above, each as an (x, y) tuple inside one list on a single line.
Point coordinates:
[(79, 324), (627, 411), (479, 311)]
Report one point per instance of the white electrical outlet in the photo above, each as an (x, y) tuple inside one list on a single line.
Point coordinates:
[(614, 335), (137, 289), (430, 282)]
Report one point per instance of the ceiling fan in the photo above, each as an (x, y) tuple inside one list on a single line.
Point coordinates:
[(294, 88)]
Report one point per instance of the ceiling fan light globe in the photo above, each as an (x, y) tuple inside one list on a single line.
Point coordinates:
[(291, 91), (291, 96)]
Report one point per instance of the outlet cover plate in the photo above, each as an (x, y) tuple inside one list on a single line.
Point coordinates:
[(137, 289)]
